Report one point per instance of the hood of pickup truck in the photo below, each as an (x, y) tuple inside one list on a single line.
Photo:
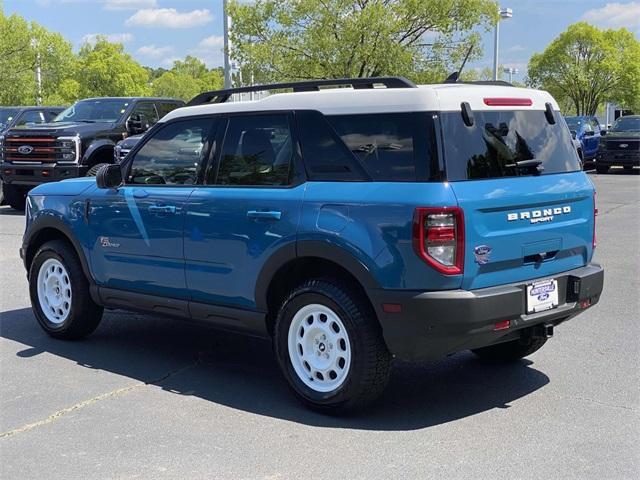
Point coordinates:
[(58, 129), (70, 187)]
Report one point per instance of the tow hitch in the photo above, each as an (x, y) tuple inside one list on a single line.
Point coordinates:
[(543, 331)]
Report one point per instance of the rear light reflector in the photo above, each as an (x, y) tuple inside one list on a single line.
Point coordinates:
[(503, 325), (586, 303), (438, 238), (508, 102), (391, 308)]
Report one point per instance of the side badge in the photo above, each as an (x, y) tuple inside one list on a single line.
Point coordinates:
[(106, 243), (482, 253)]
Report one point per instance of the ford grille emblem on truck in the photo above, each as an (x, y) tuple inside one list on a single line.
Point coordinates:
[(624, 145), (25, 149), (539, 216)]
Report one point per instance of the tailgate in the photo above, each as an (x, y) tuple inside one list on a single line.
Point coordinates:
[(524, 228)]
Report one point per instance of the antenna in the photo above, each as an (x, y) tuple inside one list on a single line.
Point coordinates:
[(453, 78)]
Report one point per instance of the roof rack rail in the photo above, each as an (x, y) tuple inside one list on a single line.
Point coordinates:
[(221, 96)]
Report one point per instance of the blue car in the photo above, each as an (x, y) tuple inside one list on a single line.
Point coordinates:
[(587, 130), (350, 226)]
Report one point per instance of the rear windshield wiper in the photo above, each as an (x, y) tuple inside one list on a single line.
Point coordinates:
[(527, 164)]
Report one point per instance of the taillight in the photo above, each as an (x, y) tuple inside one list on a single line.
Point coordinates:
[(438, 238), (508, 102), (595, 214)]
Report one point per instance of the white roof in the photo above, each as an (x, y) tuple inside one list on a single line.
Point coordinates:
[(340, 101)]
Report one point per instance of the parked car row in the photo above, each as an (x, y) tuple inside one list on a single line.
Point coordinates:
[(602, 149), (39, 145)]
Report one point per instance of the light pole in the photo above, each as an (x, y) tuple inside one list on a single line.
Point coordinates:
[(227, 65), (511, 72), (504, 13), (38, 71)]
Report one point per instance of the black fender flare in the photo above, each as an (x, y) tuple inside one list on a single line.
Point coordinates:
[(54, 223), (96, 146), (322, 249)]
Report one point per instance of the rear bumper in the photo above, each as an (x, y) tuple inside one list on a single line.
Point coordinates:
[(32, 175), (617, 157), (435, 324)]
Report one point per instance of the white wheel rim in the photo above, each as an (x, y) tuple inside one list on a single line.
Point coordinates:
[(319, 348), (54, 291)]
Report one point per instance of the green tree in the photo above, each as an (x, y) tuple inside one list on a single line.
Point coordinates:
[(23, 47), (304, 39), (104, 70), (186, 79), (585, 67)]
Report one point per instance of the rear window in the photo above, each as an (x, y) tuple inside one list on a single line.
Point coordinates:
[(497, 141)]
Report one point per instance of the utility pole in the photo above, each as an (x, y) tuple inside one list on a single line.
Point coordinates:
[(504, 13), (227, 64), (38, 72)]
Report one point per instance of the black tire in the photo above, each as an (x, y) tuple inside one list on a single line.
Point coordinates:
[(370, 361), (628, 168), (84, 315), (1, 193), (94, 170), (15, 196), (602, 168), (511, 351)]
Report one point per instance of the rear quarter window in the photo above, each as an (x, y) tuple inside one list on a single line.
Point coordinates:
[(497, 140)]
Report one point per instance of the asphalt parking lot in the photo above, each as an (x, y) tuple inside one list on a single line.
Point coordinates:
[(146, 397)]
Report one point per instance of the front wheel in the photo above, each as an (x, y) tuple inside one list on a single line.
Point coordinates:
[(511, 351), (602, 168), (93, 171), (15, 196), (330, 348), (59, 293)]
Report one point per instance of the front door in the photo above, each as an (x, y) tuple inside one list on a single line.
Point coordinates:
[(249, 209), (138, 228)]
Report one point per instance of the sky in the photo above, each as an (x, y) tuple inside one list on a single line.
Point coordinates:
[(156, 32)]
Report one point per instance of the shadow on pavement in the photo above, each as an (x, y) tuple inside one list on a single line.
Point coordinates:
[(5, 210), (242, 373)]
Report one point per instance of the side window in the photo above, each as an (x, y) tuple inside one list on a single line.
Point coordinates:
[(172, 155), (392, 147), (148, 110), (30, 117), (587, 127), (595, 125), (326, 158), (257, 150), (166, 107)]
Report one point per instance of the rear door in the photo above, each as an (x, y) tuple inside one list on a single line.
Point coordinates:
[(522, 220), (249, 209)]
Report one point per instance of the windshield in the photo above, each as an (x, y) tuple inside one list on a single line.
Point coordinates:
[(574, 123), (626, 124), (506, 144), (99, 110), (6, 114)]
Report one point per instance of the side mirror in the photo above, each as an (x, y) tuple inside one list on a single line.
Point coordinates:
[(574, 134), (137, 124), (109, 176)]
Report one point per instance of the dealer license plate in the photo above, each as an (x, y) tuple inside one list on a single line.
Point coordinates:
[(542, 296)]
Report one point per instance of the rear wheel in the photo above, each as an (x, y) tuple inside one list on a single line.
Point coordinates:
[(59, 293), (15, 196), (511, 351), (602, 168), (330, 347)]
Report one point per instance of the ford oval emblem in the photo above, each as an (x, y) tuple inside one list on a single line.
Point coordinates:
[(482, 253), (25, 149)]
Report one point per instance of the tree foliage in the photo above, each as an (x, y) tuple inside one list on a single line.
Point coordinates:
[(304, 39), (585, 67), (186, 79), (23, 45)]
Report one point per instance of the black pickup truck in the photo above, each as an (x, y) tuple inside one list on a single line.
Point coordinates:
[(621, 145), (75, 143)]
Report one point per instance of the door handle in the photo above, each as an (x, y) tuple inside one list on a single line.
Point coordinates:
[(264, 215), (163, 209)]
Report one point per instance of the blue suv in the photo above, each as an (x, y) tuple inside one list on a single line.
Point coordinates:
[(349, 225), (587, 131)]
